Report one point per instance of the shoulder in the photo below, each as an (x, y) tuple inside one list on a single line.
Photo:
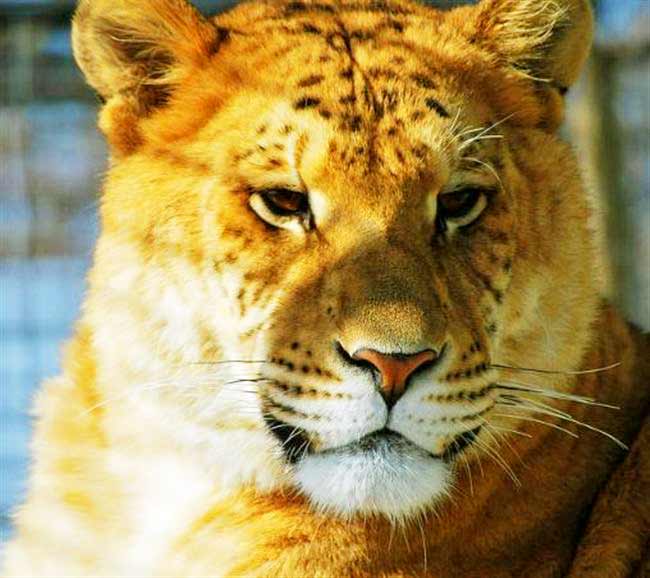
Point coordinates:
[(615, 541)]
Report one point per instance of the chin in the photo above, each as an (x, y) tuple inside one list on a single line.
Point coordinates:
[(381, 474)]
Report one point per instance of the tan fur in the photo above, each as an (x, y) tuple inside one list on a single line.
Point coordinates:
[(151, 454)]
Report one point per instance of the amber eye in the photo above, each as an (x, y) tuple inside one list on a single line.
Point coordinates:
[(283, 208), (285, 203), (460, 208)]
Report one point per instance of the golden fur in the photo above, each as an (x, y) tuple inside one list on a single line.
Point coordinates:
[(152, 455)]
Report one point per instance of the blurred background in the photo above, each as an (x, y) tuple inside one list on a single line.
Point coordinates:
[(52, 159)]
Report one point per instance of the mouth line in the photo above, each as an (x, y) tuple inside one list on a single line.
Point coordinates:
[(458, 444), (295, 442)]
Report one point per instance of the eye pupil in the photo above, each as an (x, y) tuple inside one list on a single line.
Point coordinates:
[(284, 202), (458, 204)]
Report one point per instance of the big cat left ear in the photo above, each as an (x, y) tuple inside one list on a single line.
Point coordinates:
[(135, 53), (137, 49), (548, 40)]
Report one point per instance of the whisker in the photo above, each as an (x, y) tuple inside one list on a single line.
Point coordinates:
[(424, 544), (487, 166), (391, 536), (508, 430), (407, 542), (553, 394), (453, 125), (478, 129), (468, 142), (478, 459), (524, 405), (480, 138), (502, 438), (460, 135), (147, 386), (535, 420), (294, 432), (530, 402), (571, 419), (231, 361), (595, 429), (491, 452), (489, 137), (186, 384), (303, 449), (105, 402), (251, 380), (468, 469), (507, 466), (556, 371), (278, 426), (470, 130), (472, 159)]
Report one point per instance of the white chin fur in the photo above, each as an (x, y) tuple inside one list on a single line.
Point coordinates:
[(382, 475)]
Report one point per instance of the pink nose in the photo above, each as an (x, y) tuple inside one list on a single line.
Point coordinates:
[(395, 369)]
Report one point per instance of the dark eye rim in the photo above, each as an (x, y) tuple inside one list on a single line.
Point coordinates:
[(271, 204), (465, 208)]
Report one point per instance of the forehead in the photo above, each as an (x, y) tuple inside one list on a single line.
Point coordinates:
[(353, 61), (359, 69)]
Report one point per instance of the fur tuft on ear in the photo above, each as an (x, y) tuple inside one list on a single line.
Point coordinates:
[(548, 40), (139, 48)]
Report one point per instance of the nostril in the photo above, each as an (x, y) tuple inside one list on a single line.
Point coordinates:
[(436, 359), (391, 371), (396, 367), (353, 360), (344, 353)]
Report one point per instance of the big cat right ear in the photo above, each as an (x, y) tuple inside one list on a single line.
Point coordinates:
[(547, 39), (138, 49)]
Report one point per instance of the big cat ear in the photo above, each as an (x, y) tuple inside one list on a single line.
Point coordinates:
[(546, 39), (139, 48)]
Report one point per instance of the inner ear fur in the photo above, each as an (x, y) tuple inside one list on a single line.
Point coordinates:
[(548, 40), (138, 49)]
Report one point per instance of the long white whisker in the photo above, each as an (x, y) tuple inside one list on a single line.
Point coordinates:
[(511, 431), (500, 461), (539, 404), (535, 420), (571, 419), (496, 450), (147, 386), (557, 371), (231, 362), (468, 469), (487, 166), (478, 458), (485, 131), (183, 383), (424, 544), (501, 437), (553, 394)]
